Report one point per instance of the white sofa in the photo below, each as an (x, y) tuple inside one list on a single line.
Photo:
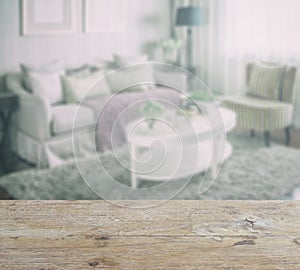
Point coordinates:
[(44, 132)]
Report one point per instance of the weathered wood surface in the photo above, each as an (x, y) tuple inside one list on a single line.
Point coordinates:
[(173, 235)]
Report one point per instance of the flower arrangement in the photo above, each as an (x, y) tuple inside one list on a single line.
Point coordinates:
[(170, 43), (170, 47)]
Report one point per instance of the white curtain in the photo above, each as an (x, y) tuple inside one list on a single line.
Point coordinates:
[(239, 31)]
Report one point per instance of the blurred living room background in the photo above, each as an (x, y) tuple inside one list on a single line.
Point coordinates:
[(229, 44)]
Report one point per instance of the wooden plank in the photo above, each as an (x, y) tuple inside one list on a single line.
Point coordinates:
[(172, 235)]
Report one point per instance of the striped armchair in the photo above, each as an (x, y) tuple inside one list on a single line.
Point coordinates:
[(269, 102)]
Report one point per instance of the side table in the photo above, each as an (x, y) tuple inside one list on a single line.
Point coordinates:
[(8, 105)]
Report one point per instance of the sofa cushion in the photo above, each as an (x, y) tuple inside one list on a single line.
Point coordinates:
[(266, 81), (64, 116)]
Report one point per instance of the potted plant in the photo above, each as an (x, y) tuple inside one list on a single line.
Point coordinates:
[(151, 110), (200, 98)]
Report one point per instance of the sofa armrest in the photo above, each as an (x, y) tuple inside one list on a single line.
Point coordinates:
[(33, 116)]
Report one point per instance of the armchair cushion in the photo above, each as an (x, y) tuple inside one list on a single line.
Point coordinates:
[(260, 114), (266, 81), (64, 115)]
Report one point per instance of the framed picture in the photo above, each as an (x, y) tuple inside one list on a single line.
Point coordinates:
[(104, 16), (47, 17)]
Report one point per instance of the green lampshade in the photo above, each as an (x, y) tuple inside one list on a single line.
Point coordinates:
[(188, 16)]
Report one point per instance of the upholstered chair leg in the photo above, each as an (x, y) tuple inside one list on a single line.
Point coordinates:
[(288, 135), (267, 138), (252, 133)]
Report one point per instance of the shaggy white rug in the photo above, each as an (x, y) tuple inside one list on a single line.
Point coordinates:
[(254, 172)]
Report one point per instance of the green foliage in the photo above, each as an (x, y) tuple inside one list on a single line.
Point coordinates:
[(200, 96), (151, 109), (169, 43)]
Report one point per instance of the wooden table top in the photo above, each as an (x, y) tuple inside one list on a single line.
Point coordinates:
[(173, 235)]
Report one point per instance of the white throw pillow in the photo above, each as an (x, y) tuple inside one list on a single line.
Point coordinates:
[(134, 78), (121, 61), (46, 85), (76, 88), (173, 79), (56, 66)]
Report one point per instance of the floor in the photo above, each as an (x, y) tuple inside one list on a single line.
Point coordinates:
[(278, 137), (295, 137)]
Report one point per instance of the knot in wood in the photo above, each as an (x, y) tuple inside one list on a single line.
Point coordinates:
[(251, 220)]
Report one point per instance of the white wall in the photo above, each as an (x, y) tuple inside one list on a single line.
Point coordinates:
[(148, 20)]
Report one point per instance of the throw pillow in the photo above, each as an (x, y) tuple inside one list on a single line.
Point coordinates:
[(176, 80), (121, 61), (76, 88), (265, 81), (56, 66), (134, 78), (46, 85)]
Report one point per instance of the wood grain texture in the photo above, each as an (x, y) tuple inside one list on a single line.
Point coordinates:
[(173, 235)]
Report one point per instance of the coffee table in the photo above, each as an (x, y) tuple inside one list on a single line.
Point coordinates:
[(179, 147)]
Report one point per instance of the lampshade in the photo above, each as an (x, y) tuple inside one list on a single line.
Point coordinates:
[(188, 16)]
